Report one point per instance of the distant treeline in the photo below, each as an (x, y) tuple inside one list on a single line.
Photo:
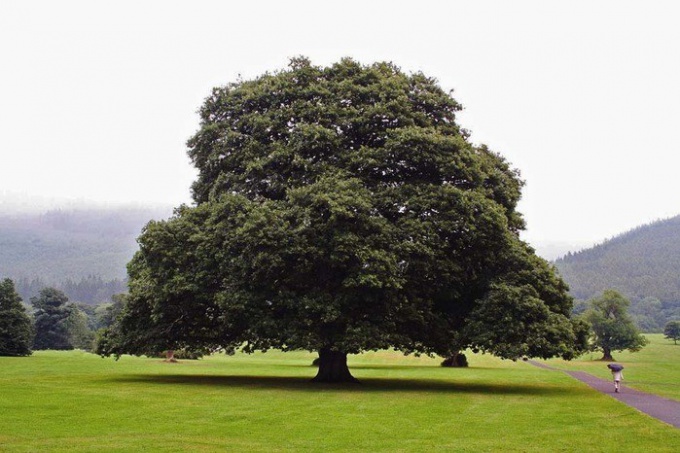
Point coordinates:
[(81, 252), (643, 264), (90, 290), (63, 245)]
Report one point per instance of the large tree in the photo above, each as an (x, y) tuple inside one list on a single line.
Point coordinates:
[(612, 327), (339, 210), (16, 331)]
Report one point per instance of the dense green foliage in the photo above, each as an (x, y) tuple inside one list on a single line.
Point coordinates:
[(612, 328), (53, 320), (650, 314), (61, 324), (265, 403), (642, 264), (339, 210), (78, 327), (672, 331), (105, 315), (16, 332)]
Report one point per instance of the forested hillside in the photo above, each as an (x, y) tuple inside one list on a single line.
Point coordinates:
[(643, 264), (81, 251)]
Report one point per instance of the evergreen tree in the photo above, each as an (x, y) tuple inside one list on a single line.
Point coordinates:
[(16, 332), (81, 336), (51, 320)]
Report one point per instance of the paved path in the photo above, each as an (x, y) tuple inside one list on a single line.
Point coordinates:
[(666, 410)]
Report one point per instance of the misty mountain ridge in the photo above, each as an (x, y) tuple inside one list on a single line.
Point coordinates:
[(72, 249), (640, 263), (62, 244)]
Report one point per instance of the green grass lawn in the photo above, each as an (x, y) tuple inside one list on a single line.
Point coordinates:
[(73, 401), (654, 369)]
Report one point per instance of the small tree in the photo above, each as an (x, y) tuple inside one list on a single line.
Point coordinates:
[(80, 334), (612, 328), (106, 314), (51, 320), (16, 332), (672, 331)]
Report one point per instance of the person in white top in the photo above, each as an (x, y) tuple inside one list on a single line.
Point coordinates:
[(618, 377)]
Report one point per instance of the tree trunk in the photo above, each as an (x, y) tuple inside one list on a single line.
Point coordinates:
[(333, 367), (457, 360), (170, 356), (607, 356)]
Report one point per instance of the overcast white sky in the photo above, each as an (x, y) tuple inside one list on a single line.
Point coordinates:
[(97, 98)]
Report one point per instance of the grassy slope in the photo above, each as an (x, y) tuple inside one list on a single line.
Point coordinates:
[(72, 401), (654, 369)]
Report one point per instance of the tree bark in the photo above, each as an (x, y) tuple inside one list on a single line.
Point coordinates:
[(607, 356), (457, 360), (170, 356), (333, 367)]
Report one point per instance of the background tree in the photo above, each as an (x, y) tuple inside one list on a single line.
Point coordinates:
[(612, 328), (339, 210), (51, 320), (105, 314), (81, 336), (16, 331), (672, 331), (648, 314)]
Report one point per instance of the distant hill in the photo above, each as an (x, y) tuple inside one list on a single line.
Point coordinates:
[(643, 264), (72, 248)]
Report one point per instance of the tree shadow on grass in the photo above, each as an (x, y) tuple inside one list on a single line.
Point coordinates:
[(420, 367), (389, 366), (366, 367), (366, 385)]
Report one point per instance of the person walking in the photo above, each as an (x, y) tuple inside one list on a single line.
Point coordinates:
[(618, 377), (617, 374)]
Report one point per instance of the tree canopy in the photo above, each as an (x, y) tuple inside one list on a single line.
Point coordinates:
[(52, 320), (672, 331), (612, 328), (16, 332), (339, 210)]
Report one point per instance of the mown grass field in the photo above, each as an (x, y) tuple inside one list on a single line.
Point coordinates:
[(76, 402), (654, 369)]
